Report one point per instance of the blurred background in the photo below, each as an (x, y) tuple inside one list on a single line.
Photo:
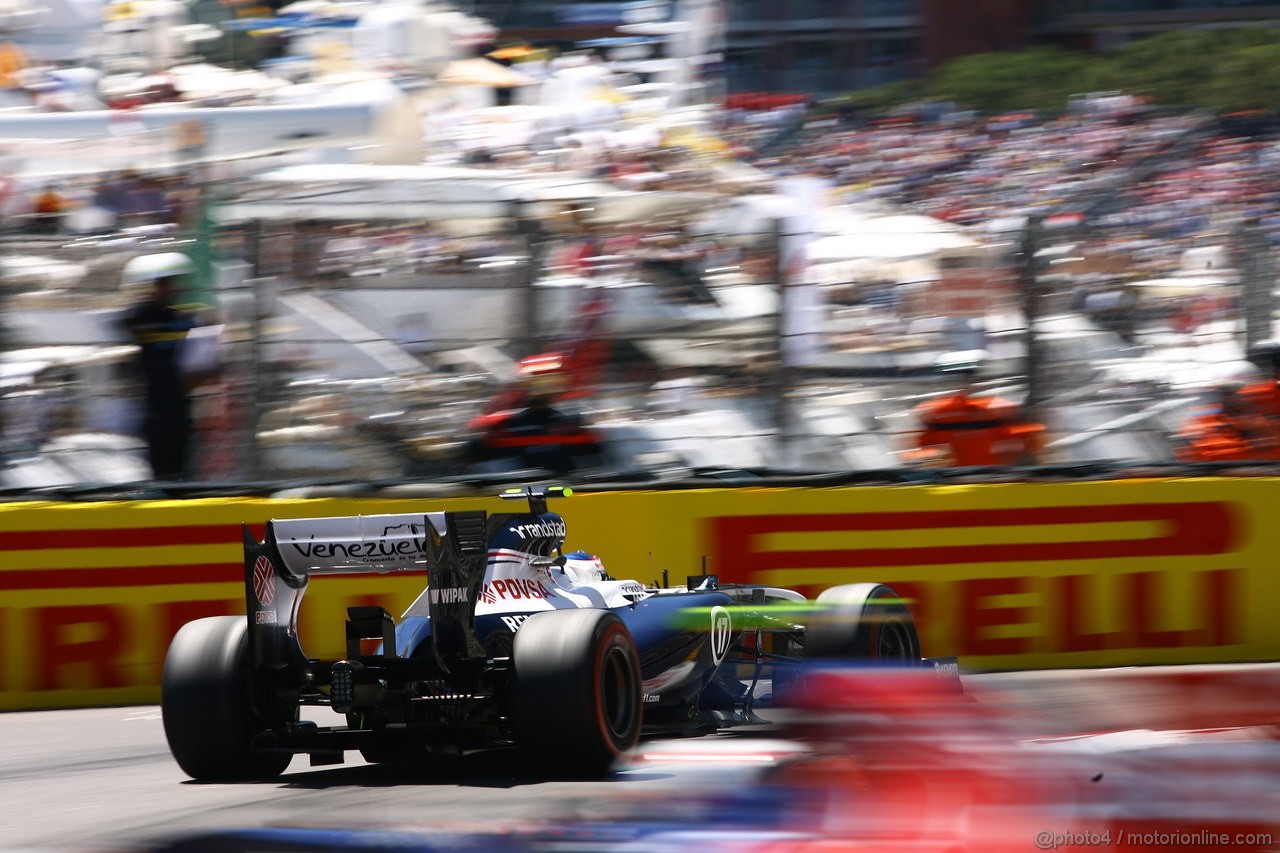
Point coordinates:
[(712, 236), (256, 247)]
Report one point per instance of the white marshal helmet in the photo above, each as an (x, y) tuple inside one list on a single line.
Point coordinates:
[(968, 361), (582, 567), (144, 269)]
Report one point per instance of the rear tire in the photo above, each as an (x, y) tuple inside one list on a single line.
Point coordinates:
[(205, 701), (577, 695), (863, 621)]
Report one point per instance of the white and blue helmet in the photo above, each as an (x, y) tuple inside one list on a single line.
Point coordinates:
[(582, 567)]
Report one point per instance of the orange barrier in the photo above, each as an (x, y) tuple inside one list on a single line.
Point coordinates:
[(1005, 576)]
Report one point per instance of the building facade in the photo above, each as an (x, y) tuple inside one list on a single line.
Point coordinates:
[(1100, 25), (829, 46)]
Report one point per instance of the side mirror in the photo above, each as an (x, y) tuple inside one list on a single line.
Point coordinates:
[(548, 562)]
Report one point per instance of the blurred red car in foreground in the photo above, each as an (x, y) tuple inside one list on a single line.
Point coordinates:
[(875, 759), (899, 761)]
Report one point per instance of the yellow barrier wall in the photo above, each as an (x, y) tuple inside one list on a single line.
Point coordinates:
[(1005, 576)]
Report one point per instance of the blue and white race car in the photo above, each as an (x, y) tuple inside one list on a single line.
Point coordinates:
[(513, 642)]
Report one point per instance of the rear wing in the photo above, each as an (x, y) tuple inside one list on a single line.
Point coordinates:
[(451, 546), (458, 562), (356, 543)]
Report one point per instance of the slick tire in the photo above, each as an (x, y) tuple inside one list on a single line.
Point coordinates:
[(865, 622), (205, 702), (577, 697)]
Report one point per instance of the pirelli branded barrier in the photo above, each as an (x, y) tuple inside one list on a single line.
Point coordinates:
[(1005, 576)]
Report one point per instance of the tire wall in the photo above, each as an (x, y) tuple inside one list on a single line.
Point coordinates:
[(1004, 576)]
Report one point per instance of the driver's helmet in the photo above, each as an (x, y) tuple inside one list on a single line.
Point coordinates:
[(581, 567)]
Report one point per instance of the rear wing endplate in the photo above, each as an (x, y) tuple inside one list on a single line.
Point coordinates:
[(452, 546)]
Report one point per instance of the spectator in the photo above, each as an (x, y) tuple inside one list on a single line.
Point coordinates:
[(962, 429), (1219, 435), (542, 436), (527, 429), (46, 214), (1257, 406), (160, 329), (146, 202), (111, 196)]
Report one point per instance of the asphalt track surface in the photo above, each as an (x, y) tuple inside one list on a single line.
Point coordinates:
[(103, 779)]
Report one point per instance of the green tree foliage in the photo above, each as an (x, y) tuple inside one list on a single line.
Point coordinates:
[(877, 99), (1170, 67), (1246, 79), (1220, 70), (1037, 78)]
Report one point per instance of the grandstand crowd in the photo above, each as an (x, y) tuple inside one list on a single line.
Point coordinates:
[(1164, 181)]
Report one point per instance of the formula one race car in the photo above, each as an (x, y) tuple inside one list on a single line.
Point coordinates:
[(513, 642)]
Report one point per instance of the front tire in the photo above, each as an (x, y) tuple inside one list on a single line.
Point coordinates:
[(209, 720), (577, 694), (863, 621)]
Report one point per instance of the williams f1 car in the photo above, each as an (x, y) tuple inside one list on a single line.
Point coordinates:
[(514, 641)]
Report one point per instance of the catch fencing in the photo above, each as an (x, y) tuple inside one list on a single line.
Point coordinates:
[(362, 346)]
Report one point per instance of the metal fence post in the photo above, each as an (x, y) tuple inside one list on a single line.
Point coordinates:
[(1032, 307), (256, 362), (530, 233), (782, 367), (1258, 276)]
